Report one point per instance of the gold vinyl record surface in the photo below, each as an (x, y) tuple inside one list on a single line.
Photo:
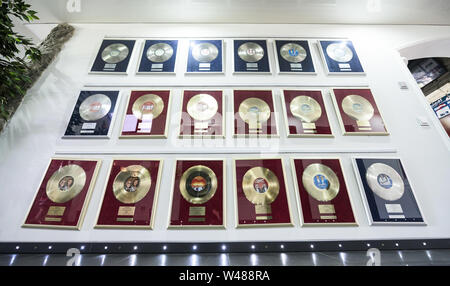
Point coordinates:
[(357, 107), (306, 108), (198, 184), (293, 52), (339, 52), (385, 182), (148, 104), (260, 186), (205, 52), (66, 183), (132, 184), (95, 107), (115, 53), (320, 182), (202, 107), (250, 52), (254, 110), (159, 52)]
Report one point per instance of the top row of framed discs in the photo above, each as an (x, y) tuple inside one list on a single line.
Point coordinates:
[(207, 56)]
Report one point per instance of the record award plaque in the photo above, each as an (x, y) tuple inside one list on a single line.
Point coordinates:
[(131, 193), (205, 56), (63, 195), (358, 112), (146, 114), (322, 192), (305, 114), (202, 114), (260, 193), (113, 56), (294, 56), (158, 56), (254, 114), (198, 197), (340, 57), (92, 115), (387, 193), (251, 56)]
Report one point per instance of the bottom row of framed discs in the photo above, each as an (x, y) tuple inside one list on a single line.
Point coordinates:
[(198, 193)]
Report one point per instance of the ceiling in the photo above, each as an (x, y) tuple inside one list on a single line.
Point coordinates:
[(434, 12)]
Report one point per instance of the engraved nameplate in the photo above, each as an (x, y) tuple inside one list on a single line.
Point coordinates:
[(197, 211), (126, 211), (263, 209), (327, 209), (56, 211), (394, 208)]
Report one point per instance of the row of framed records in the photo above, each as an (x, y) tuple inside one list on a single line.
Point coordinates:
[(293, 56), (203, 113), (198, 193)]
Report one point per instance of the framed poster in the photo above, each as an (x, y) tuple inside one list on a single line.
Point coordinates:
[(202, 114), (113, 56), (305, 114), (254, 114), (358, 112), (63, 194), (147, 114), (205, 56), (158, 56), (198, 195), (93, 114), (340, 57), (387, 193), (261, 197), (251, 56), (294, 57), (322, 192), (131, 194)]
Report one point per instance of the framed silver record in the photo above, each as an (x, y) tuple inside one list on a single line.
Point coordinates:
[(159, 53), (115, 53), (95, 107), (205, 52)]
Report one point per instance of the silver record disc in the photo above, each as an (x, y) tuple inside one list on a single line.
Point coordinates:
[(205, 52), (339, 52), (250, 52), (385, 182), (293, 53), (159, 52), (115, 53), (95, 107)]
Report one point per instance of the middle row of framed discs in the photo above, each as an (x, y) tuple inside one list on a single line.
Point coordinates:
[(198, 193), (203, 112)]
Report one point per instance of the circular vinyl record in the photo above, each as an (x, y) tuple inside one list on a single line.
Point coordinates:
[(320, 182), (198, 184), (385, 182), (132, 184), (339, 52), (159, 52), (66, 183), (148, 104), (357, 107), (202, 107), (260, 186), (250, 52), (306, 108), (205, 52), (95, 107), (293, 53), (115, 53), (254, 109)]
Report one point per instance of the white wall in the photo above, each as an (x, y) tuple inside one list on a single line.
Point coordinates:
[(33, 135)]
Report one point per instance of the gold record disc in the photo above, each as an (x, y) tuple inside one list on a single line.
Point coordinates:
[(254, 109), (306, 108), (66, 183), (357, 107), (115, 53), (202, 107), (339, 52), (148, 104), (198, 184), (320, 182), (260, 186), (159, 52), (250, 52), (132, 184), (95, 107), (205, 52), (293, 53), (385, 182)]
